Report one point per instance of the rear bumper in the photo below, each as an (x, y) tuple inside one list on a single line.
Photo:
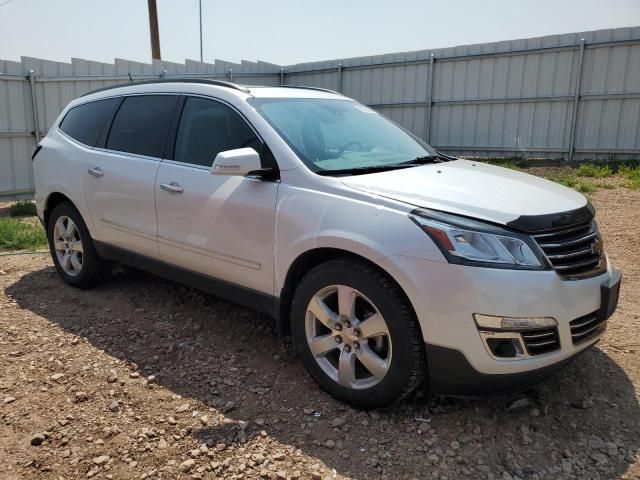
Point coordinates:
[(450, 373)]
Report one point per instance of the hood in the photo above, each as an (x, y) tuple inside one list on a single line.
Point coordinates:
[(473, 189)]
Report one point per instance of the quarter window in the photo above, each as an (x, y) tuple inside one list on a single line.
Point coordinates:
[(85, 122), (208, 127), (140, 126)]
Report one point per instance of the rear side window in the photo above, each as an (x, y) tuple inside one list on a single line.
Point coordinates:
[(85, 122), (207, 128), (140, 126)]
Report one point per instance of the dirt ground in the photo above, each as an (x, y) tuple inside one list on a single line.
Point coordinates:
[(143, 378)]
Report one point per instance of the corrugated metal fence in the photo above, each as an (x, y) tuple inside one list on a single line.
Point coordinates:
[(564, 96)]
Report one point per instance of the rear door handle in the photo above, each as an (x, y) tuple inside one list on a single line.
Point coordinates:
[(172, 187), (96, 172)]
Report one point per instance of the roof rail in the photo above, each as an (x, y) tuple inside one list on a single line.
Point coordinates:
[(218, 83), (310, 88)]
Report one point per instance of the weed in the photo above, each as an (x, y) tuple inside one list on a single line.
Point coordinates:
[(18, 234), (22, 209)]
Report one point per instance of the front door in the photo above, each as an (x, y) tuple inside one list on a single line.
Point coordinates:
[(218, 226)]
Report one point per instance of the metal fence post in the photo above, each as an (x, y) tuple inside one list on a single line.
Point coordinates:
[(281, 76), (231, 75), (432, 61), (34, 105), (340, 77), (576, 100)]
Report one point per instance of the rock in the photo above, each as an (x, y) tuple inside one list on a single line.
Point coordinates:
[(187, 465), (56, 376), (281, 474), (582, 404), (338, 422), (101, 459), (204, 419), (195, 453), (9, 399), (258, 458), (81, 397), (279, 456), (151, 378), (330, 444), (519, 404), (182, 408), (308, 411), (316, 475), (114, 406), (38, 438), (112, 377), (455, 445), (134, 375)]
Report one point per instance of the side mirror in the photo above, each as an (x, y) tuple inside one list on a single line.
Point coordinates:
[(237, 163)]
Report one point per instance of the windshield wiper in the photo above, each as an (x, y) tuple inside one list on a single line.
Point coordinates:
[(363, 170), (426, 159)]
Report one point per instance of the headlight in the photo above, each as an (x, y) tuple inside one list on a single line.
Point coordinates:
[(471, 242)]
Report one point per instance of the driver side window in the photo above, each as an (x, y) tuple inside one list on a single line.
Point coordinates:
[(208, 127)]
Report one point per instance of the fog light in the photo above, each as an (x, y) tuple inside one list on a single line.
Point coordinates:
[(513, 324), (504, 348)]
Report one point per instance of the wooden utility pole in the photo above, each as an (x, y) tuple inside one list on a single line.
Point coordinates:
[(153, 29)]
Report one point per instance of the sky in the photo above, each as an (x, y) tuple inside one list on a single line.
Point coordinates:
[(287, 31)]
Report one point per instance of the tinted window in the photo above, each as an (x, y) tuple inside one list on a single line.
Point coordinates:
[(140, 126), (85, 122), (208, 127)]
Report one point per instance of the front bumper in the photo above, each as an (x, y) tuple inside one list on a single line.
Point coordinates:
[(445, 297), (450, 373)]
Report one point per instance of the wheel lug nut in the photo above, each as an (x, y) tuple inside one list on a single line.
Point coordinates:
[(347, 348), (347, 324), (338, 326), (356, 345), (357, 332), (338, 339)]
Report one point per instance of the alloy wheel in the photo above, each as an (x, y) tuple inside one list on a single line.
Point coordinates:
[(348, 337), (68, 245)]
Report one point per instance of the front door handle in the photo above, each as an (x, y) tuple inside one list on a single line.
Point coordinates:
[(172, 187), (96, 172)]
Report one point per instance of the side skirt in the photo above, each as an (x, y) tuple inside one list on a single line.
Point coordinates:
[(246, 297)]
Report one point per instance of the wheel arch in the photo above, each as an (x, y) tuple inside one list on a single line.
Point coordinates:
[(53, 199), (307, 261)]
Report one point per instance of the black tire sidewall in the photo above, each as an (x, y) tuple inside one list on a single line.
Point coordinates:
[(397, 314)]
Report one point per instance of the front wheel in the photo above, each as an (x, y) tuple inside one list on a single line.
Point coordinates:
[(356, 334)]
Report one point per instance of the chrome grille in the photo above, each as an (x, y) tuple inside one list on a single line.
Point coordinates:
[(587, 327), (574, 252), (541, 341)]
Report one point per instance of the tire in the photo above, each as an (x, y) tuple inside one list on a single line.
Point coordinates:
[(397, 355), (84, 268)]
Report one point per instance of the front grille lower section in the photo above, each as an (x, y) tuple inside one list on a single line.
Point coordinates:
[(574, 252), (541, 341), (587, 327)]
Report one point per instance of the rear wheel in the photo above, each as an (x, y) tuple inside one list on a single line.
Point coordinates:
[(72, 249), (357, 334)]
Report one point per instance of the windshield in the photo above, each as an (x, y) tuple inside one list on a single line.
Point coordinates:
[(335, 136)]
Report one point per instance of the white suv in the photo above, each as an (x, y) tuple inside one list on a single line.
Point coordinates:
[(386, 261)]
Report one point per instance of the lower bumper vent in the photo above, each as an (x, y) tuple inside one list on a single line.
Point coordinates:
[(587, 327)]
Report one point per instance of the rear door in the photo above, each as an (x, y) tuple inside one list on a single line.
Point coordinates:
[(120, 180), (219, 226)]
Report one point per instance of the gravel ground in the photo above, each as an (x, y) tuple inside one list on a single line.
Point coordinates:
[(142, 378)]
